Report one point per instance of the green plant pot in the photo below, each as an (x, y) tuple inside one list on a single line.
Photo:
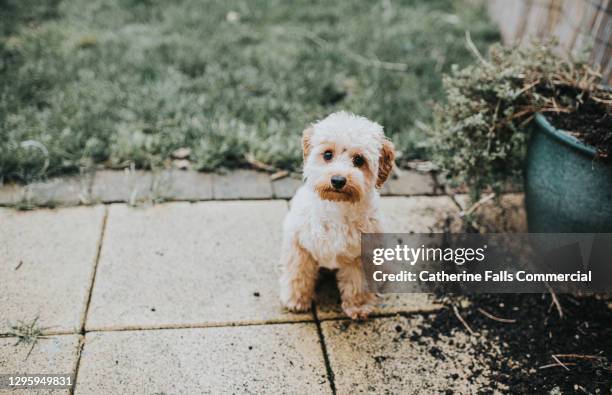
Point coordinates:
[(567, 190)]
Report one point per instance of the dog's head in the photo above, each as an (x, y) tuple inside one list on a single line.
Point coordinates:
[(345, 156)]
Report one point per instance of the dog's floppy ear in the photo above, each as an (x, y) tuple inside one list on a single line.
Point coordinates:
[(306, 145), (385, 162)]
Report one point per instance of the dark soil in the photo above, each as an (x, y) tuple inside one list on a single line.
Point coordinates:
[(529, 344), (590, 123)]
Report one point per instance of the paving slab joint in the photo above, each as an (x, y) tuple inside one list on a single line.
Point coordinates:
[(86, 310), (95, 269), (77, 364), (328, 368)]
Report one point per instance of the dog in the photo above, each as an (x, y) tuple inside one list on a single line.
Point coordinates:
[(347, 158)]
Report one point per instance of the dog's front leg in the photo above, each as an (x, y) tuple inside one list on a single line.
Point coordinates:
[(357, 301), (299, 277)]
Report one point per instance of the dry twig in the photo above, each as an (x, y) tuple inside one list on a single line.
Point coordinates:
[(555, 301), (472, 47), (491, 316), (460, 318), (250, 158), (278, 175), (476, 205), (560, 363), (552, 365), (578, 356)]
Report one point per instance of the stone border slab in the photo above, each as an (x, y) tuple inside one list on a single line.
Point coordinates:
[(121, 186), (11, 194), (137, 187), (242, 184), (183, 185), (286, 187), (66, 191)]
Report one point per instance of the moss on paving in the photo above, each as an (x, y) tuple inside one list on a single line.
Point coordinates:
[(129, 81)]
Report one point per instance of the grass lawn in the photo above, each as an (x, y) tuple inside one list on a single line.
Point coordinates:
[(128, 81)]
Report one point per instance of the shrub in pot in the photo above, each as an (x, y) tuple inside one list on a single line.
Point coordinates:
[(528, 115)]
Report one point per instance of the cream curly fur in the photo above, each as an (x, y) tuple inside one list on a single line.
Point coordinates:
[(324, 225)]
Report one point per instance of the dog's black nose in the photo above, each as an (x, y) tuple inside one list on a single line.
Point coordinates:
[(338, 181)]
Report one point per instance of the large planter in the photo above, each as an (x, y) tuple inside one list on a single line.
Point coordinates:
[(567, 190)]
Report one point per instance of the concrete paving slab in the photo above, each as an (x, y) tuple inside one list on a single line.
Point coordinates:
[(418, 214), (63, 191), (396, 355), (183, 185), (47, 259), (286, 187), (121, 186), (180, 264), (410, 182), (51, 355), (328, 302), (284, 358), (242, 184), (385, 191)]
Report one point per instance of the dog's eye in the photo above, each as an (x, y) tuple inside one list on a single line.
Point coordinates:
[(328, 155), (358, 161)]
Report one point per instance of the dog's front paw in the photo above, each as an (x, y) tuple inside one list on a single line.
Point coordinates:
[(360, 307), (294, 301), (298, 304), (358, 312)]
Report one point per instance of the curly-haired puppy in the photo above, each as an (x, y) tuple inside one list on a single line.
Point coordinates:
[(346, 159)]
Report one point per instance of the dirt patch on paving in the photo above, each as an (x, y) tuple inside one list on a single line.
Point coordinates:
[(390, 355), (520, 353), (414, 352)]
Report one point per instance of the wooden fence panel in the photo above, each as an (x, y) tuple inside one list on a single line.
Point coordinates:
[(578, 25)]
